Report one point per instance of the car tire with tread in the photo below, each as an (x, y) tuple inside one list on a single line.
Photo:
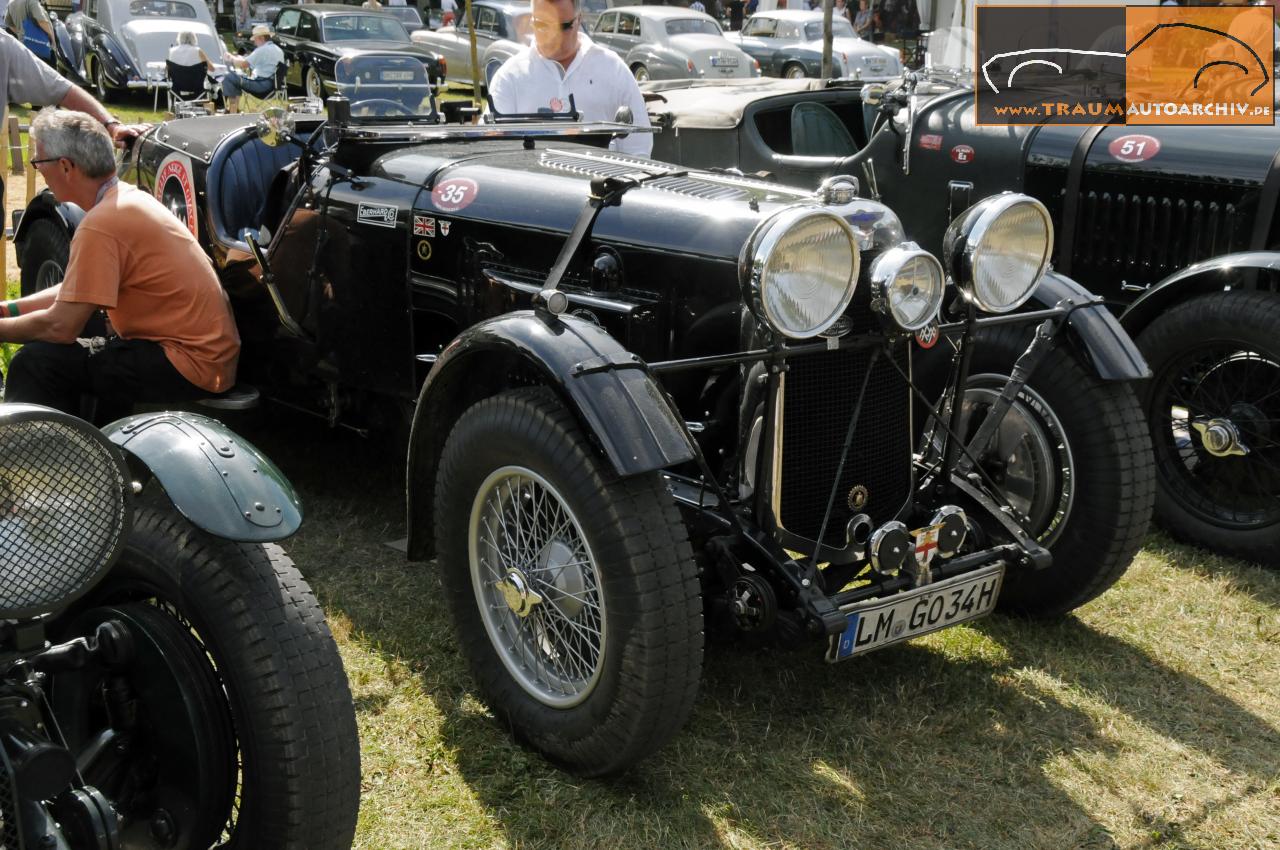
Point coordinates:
[(1111, 469), (637, 556), (641, 73), (1232, 322), (289, 701), (100, 86), (793, 71), (46, 247), (314, 85)]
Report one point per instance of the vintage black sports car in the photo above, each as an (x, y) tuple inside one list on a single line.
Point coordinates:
[(640, 394), (1175, 227), (333, 48)]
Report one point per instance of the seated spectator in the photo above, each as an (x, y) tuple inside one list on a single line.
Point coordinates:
[(174, 337), (261, 64), (187, 53)]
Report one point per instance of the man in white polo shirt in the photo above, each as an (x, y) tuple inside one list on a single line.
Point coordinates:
[(563, 61)]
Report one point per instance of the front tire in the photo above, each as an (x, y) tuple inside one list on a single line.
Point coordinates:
[(641, 73), (1215, 360), (45, 249), (1074, 458), (314, 85), (574, 592), (245, 735), (794, 71)]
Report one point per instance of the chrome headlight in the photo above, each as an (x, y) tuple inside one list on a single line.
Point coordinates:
[(907, 283), (998, 249), (799, 269)]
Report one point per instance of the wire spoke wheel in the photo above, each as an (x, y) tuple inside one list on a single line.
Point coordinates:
[(1216, 428), (537, 586), (574, 591), (1028, 457)]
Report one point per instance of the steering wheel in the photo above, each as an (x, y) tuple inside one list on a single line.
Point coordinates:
[(379, 106)]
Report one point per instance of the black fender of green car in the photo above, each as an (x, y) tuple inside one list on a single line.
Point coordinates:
[(615, 399), (1200, 278), (45, 205), (1102, 338), (215, 478)]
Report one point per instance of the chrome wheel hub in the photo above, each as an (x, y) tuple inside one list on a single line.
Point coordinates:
[(515, 590), (1221, 437)]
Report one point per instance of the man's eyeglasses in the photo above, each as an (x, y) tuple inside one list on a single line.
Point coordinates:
[(552, 26), (43, 160)]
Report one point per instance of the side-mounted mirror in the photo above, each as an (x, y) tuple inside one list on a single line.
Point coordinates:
[(275, 126), (623, 115)]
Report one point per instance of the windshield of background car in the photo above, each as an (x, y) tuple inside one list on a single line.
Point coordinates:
[(161, 9), (384, 85), (839, 29), (692, 26), (361, 27), (407, 15)]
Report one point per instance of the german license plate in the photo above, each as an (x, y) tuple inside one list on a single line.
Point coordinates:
[(397, 76), (881, 622), (724, 61)]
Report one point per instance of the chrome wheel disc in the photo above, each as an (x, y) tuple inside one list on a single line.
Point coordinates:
[(1028, 458), (537, 586), (314, 88)]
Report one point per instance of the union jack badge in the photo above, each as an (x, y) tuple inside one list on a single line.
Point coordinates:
[(424, 225)]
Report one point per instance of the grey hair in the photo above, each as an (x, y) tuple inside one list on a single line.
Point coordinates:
[(187, 37), (62, 133), (577, 5)]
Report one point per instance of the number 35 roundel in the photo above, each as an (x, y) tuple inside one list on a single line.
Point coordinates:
[(175, 190), (454, 194)]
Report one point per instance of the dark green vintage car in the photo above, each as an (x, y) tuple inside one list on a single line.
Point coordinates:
[(648, 401)]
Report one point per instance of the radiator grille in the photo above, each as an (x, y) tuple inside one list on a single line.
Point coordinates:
[(1145, 237), (818, 398)]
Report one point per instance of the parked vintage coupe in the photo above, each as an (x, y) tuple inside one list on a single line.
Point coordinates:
[(496, 20), (671, 43), (331, 48), (788, 43), (122, 44), (1175, 227), (639, 392)]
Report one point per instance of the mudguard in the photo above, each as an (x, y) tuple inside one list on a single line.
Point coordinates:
[(608, 389), (1114, 355), (1196, 279), (216, 479), (44, 205)]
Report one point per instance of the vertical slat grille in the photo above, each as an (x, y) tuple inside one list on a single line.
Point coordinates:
[(818, 400), (1143, 237)]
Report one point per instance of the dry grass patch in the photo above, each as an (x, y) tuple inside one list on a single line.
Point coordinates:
[(1149, 720)]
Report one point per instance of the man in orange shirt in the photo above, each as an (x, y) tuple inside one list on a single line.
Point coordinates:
[(174, 335)]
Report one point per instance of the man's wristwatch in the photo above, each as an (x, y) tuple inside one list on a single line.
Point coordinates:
[(108, 125)]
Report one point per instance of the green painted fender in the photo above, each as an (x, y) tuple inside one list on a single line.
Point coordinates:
[(216, 479)]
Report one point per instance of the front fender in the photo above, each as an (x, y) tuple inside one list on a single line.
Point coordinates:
[(219, 481), (1198, 279), (45, 205), (1114, 355), (114, 58), (615, 399)]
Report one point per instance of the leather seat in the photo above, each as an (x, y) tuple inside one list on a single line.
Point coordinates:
[(239, 175), (817, 131)]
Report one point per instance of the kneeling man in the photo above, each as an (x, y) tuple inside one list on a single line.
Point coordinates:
[(174, 335)]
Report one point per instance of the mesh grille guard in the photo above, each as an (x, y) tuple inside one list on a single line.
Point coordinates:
[(62, 509)]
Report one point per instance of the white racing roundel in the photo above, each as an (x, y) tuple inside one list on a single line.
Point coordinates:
[(176, 190)]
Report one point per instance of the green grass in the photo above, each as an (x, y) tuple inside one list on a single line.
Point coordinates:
[(1148, 720)]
